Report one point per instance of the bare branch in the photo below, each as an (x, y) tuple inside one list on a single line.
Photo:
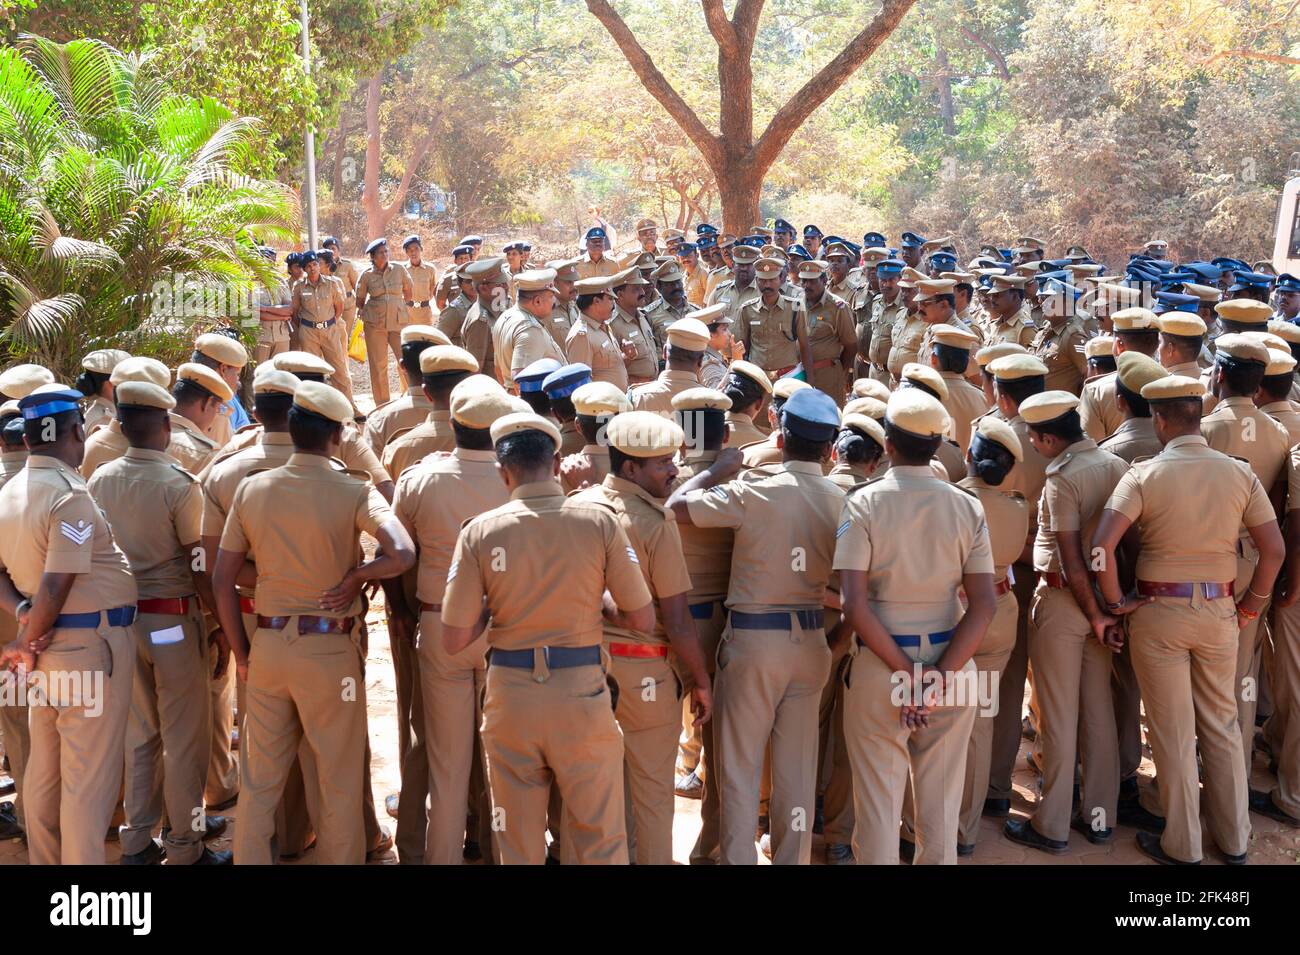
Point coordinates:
[(1253, 55), (998, 59), (656, 83), (745, 20), (828, 79), (723, 32)]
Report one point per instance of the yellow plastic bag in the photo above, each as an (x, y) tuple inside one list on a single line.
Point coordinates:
[(357, 346)]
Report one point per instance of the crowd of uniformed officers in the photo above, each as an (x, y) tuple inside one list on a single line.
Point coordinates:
[(800, 529)]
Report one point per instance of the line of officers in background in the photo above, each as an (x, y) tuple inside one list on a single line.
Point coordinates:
[(725, 544)]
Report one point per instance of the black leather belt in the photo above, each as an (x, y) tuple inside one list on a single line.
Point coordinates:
[(318, 324), (309, 624), (777, 620)]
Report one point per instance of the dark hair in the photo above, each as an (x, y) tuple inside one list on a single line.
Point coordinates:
[(188, 392), (64, 422), (616, 459), (525, 450), (11, 433), (199, 358), (589, 425), (951, 358), (309, 376), (911, 448), (992, 461), (854, 447), (563, 408), (441, 383), (686, 356), (1181, 412), (89, 383), (1277, 387), (139, 424), (803, 449), (271, 408), (411, 352), (310, 431), (1145, 340), (1139, 406), (1104, 363), (1243, 377), (920, 386), (585, 300), (744, 392), (538, 401), (1189, 345), (1067, 427), (1021, 388), (705, 428), (472, 439)]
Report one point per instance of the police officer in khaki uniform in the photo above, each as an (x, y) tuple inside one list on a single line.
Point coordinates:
[(346, 273), (382, 293), (594, 262), (559, 387), (949, 355), (749, 389), (773, 661), (645, 666), (274, 315), (1187, 504), (1136, 329), (832, 335), (407, 411), (772, 326), (591, 341), (1237, 428), (521, 336), (451, 320), (630, 329), (199, 393), (304, 671), (722, 349), (737, 289), (93, 382), (695, 277), (687, 338), (155, 509), (565, 313), (492, 298), (13, 714), (1072, 670), (1008, 315), (442, 367), (1136, 436), (768, 451), (318, 309), (904, 641), (1282, 731), (108, 442), (670, 304), (887, 310), (424, 281), (1059, 341), (994, 451), (434, 499), (539, 567), (70, 588), (595, 403), (227, 357)]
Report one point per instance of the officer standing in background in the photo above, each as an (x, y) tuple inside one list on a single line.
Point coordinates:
[(559, 387), (318, 309), (94, 383), (492, 298), (346, 273), (424, 282), (592, 341), (595, 403), (546, 570), (70, 588), (408, 410), (13, 713), (108, 442), (451, 320), (521, 335), (832, 335), (442, 367), (687, 338), (224, 354), (382, 293), (155, 508)]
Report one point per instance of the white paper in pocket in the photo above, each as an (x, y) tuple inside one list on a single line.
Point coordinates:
[(161, 638)]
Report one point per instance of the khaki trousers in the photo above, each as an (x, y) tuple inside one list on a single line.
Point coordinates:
[(304, 687), (688, 744), (1128, 712), (168, 736), (349, 321), (325, 343), (13, 719), (1011, 691), (542, 726), (649, 714), (1076, 715), (451, 687), (273, 338), (1283, 727), (412, 818), (768, 686), (1250, 645), (990, 658), (74, 773), (1184, 653), (833, 753), (378, 344), (884, 754), (223, 768), (707, 846)]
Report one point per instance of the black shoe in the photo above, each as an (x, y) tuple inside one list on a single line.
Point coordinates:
[(819, 818), (837, 853), (391, 802), (1230, 859), (764, 827), (7, 810), (214, 826), (552, 860), (151, 854), (472, 852), (1128, 789), (1149, 845), (227, 804), (9, 828), (997, 808), (1027, 729), (1098, 837), (1131, 813), (965, 850), (383, 847), (215, 857), (906, 850), (1022, 832), (7, 786), (1263, 804)]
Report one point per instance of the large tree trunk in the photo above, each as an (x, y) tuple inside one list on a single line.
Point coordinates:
[(378, 215), (739, 187), (943, 82)]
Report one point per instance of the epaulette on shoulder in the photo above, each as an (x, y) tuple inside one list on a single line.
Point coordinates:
[(181, 470), (1143, 459), (251, 426), (861, 484), (964, 490)]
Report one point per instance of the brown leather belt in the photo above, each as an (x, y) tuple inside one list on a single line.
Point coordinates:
[(1054, 580), (1003, 586), (430, 608), (637, 650), (1156, 588), (774, 373), (176, 606), (309, 624), (825, 363)]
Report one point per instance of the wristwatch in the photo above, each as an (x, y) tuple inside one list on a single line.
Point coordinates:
[(1116, 605), (22, 606)]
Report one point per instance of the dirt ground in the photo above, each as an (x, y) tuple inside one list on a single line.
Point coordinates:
[(1270, 843)]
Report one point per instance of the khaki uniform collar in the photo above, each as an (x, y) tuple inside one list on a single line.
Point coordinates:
[(630, 489), (595, 450), (275, 438), (468, 454), (302, 460), (146, 454), (49, 462), (1187, 440), (549, 488), (803, 467)]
